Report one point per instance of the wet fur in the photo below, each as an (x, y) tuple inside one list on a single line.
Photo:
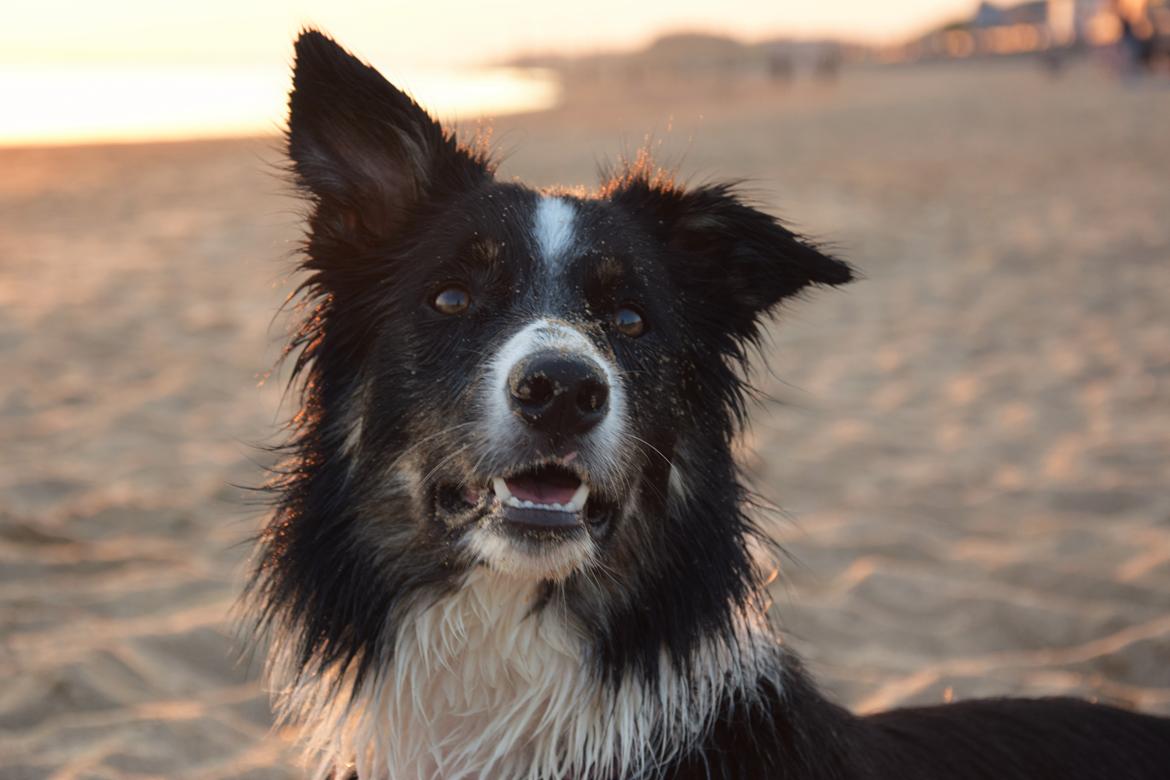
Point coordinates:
[(398, 646)]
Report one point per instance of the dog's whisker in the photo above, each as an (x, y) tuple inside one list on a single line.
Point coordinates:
[(653, 449), (414, 447), (451, 456)]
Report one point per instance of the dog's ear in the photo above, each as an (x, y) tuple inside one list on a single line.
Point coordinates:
[(735, 259), (364, 150)]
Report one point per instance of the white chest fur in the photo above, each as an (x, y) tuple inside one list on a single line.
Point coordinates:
[(480, 686)]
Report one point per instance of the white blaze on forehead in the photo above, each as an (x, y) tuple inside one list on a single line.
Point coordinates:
[(553, 227)]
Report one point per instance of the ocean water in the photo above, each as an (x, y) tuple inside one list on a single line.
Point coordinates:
[(78, 103)]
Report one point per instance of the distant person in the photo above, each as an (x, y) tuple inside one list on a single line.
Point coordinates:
[(780, 68), (1053, 62), (1135, 44), (828, 66)]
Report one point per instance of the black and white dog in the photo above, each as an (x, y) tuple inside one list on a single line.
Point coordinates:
[(511, 540)]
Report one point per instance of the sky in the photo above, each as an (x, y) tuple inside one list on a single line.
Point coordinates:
[(128, 70), (424, 32)]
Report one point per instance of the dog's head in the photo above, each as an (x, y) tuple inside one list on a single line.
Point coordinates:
[(545, 384)]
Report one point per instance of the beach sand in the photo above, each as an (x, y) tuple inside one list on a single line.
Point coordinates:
[(970, 447)]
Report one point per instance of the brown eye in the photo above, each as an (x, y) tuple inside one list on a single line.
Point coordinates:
[(451, 300), (629, 321)]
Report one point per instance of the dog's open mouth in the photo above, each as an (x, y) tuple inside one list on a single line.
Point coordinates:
[(548, 488), (545, 498), (548, 497)]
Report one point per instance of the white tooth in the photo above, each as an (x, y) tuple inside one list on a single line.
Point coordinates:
[(528, 505), (577, 502), (501, 489), (512, 501)]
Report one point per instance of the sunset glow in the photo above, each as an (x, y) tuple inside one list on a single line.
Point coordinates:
[(65, 104), (133, 70)]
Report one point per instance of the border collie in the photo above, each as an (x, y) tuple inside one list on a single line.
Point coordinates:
[(511, 540)]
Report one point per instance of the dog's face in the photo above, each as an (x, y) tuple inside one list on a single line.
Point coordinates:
[(540, 383), (520, 378)]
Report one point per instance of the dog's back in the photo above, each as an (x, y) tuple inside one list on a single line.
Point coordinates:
[(1012, 739), (799, 735)]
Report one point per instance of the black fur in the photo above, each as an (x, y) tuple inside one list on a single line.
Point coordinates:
[(397, 209)]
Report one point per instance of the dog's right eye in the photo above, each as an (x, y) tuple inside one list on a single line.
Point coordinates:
[(451, 300)]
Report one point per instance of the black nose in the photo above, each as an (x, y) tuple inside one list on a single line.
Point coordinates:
[(559, 394)]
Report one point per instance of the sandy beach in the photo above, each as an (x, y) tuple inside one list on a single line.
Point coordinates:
[(969, 449)]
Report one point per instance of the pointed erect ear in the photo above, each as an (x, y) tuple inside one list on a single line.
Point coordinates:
[(368, 154), (738, 261)]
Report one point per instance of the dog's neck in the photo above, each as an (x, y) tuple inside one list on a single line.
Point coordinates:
[(481, 683)]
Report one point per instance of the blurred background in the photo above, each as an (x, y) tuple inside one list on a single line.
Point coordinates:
[(971, 446)]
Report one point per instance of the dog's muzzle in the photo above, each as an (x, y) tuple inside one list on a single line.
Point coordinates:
[(559, 395)]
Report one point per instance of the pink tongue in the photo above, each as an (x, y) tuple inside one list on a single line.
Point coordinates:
[(543, 491)]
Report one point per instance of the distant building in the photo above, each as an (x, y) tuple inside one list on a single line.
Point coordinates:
[(992, 15), (1036, 25), (987, 15), (1072, 20)]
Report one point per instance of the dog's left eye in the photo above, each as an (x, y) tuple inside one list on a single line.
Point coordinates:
[(629, 321), (451, 300)]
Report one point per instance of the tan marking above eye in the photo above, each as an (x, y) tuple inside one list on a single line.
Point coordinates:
[(452, 299), (487, 250), (608, 271)]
